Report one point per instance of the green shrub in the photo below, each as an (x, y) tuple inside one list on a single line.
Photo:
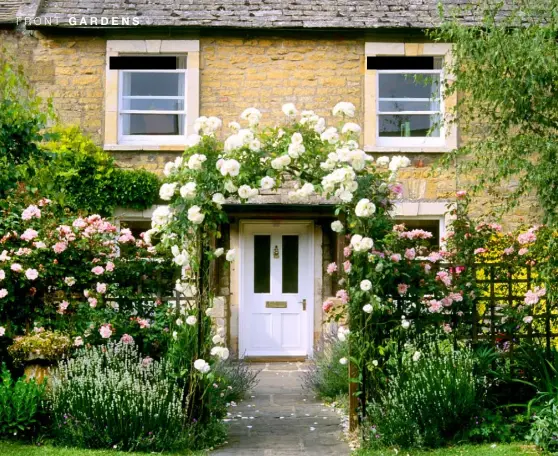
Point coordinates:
[(430, 398), (20, 405), (48, 345), (544, 430), (326, 376), (109, 396), (81, 176)]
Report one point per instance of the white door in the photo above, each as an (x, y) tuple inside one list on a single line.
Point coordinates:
[(277, 289)]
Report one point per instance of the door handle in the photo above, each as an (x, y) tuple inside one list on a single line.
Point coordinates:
[(303, 302)]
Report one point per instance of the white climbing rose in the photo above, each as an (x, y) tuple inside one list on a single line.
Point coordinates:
[(365, 208), (166, 192), (365, 285)]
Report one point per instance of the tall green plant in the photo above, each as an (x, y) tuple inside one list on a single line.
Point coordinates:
[(23, 116), (20, 405), (432, 394), (506, 69)]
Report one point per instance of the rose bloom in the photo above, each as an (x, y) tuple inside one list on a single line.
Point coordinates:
[(16, 267), (327, 306), (347, 266), (105, 331), (143, 323), (98, 270), (396, 257), (347, 251), (110, 266), (402, 288), (331, 268), (410, 254), (59, 247), (92, 302), (63, 306), (101, 288), (461, 194), (31, 274), (3, 293), (343, 295), (78, 342), (127, 339)]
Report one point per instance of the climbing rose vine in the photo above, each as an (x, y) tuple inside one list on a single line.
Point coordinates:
[(304, 157)]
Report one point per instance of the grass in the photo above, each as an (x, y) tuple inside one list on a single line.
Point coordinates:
[(512, 449), (19, 449)]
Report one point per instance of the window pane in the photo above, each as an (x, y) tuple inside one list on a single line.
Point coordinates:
[(409, 125), (432, 226), (409, 85), (153, 124), (262, 263), (405, 105), (152, 104), (290, 264), (153, 84)]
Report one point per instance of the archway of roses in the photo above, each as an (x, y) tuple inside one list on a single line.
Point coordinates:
[(315, 159)]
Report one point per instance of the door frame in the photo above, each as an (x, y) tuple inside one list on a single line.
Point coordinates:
[(243, 309)]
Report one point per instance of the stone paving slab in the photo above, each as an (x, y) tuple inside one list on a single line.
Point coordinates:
[(282, 419)]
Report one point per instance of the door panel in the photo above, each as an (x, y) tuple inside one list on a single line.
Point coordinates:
[(276, 276)]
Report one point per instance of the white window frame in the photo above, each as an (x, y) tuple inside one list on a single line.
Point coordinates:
[(426, 210), (448, 139), (402, 141), (113, 137), (151, 139)]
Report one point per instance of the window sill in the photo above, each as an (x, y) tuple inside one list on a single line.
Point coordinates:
[(407, 149), (146, 147)]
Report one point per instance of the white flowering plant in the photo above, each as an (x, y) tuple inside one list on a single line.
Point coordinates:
[(303, 157)]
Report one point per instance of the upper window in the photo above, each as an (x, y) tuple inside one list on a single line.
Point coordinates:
[(152, 98), (405, 106), (152, 93), (409, 100)]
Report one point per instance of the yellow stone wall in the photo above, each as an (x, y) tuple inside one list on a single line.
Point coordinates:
[(235, 73), (266, 73)]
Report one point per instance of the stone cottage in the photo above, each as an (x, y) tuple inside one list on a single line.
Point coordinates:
[(136, 74)]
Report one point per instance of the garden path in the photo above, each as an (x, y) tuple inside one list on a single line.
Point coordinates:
[(282, 419)]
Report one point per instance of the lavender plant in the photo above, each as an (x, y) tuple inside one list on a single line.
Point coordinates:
[(111, 397)]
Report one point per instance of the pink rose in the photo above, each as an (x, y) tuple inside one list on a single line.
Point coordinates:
[(31, 274), (447, 328), (110, 266), (509, 251), (461, 194), (434, 306), (3, 293), (347, 266), (528, 319), (327, 306), (59, 247), (127, 339), (98, 270), (410, 254), (523, 251), (146, 361), (402, 289), (30, 212), (143, 323), (347, 251), (16, 267), (396, 257), (526, 238), (343, 295), (105, 331), (92, 302), (101, 288), (29, 234), (479, 251), (444, 277), (62, 307), (331, 268)]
